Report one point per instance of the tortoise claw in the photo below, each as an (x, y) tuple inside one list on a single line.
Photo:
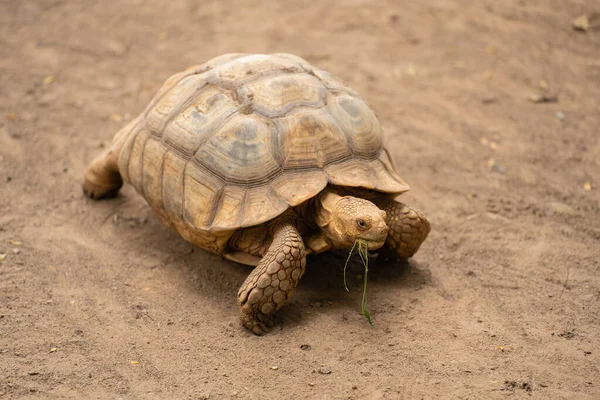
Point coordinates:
[(96, 192), (258, 324)]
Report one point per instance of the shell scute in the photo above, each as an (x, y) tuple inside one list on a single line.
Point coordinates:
[(359, 122), (154, 154), (295, 187), (172, 102), (240, 151), (201, 194), (229, 209), (197, 123), (275, 96), (136, 160), (173, 185), (248, 68), (311, 139), (259, 204)]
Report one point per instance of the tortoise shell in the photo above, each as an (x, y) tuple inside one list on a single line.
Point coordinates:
[(238, 140)]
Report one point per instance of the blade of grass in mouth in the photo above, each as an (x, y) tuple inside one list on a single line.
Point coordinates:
[(363, 252), (347, 261)]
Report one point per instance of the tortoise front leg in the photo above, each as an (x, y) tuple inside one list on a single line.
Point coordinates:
[(274, 279), (408, 228)]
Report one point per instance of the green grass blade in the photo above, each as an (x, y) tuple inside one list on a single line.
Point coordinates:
[(345, 265), (364, 255)]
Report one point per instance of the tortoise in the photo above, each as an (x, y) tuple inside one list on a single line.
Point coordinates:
[(263, 159)]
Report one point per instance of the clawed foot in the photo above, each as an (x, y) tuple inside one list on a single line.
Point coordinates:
[(259, 324), (271, 283), (102, 178), (258, 306), (97, 192)]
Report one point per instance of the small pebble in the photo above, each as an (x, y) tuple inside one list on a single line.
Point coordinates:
[(16, 251), (581, 23), (542, 98), (324, 370), (274, 367), (494, 166), (560, 115), (489, 99)]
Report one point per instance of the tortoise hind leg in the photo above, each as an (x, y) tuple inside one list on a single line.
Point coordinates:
[(274, 279), (102, 178)]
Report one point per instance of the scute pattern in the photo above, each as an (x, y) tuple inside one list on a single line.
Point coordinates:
[(172, 103), (249, 68), (240, 151), (359, 122), (275, 96), (196, 124), (312, 138), (237, 140)]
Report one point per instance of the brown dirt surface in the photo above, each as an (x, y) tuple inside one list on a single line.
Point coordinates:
[(98, 300)]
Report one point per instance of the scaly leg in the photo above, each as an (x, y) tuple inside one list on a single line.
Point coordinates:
[(102, 178), (408, 228), (274, 279)]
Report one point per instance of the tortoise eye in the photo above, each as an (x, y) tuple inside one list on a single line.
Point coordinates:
[(362, 224)]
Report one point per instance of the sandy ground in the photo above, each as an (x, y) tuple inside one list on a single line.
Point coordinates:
[(99, 301)]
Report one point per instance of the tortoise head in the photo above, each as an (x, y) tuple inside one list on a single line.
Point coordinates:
[(351, 218)]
